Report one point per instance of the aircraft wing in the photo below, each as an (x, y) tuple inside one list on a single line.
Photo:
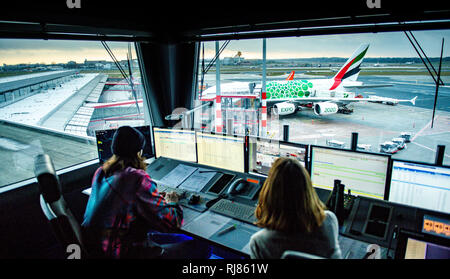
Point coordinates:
[(306, 100)]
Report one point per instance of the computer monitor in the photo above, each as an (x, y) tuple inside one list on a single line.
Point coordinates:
[(417, 245), (262, 153), (175, 144), (295, 150), (420, 185), (226, 152), (365, 174), (104, 141)]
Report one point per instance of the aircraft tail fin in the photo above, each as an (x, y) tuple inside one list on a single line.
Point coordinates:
[(413, 101), (350, 70), (291, 76)]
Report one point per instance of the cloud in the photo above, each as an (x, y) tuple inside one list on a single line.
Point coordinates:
[(387, 44), (15, 51)]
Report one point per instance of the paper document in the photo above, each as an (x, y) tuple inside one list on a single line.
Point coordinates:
[(207, 224), (197, 180), (177, 175), (239, 238)]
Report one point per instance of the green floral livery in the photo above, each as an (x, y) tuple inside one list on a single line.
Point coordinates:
[(290, 89)]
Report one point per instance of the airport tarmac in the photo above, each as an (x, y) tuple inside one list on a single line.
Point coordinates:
[(374, 122)]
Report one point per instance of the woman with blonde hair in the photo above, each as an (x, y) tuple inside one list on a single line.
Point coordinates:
[(292, 216)]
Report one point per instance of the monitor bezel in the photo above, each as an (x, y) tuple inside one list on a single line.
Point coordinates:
[(114, 129), (259, 137), (404, 234), (420, 163), (296, 144), (411, 162), (245, 152), (168, 128), (388, 171)]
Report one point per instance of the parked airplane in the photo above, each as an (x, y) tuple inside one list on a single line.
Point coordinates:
[(326, 96)]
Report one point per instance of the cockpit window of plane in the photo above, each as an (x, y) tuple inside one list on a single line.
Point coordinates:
[(324, 88), (55, 94)]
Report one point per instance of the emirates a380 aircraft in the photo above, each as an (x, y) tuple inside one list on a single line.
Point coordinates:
[(326, 96)]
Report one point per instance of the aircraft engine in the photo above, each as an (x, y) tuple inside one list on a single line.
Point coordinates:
[(284, 108), (325, 108)]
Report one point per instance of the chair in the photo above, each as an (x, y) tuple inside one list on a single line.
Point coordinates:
[(65, 226), (290, 254)]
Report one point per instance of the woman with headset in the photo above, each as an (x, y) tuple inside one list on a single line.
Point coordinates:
[(126, 216)]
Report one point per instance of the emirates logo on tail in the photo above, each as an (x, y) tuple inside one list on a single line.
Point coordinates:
[(351, 67)]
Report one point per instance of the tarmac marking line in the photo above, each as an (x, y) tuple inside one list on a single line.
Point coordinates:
[(418, 144), (423, 129)]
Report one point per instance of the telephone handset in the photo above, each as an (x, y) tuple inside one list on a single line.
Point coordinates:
[(237, 187)]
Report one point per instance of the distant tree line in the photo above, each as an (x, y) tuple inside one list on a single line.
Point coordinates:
[(400, 60)]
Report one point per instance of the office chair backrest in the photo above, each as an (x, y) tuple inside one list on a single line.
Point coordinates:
[(64, 224), (290, 254)]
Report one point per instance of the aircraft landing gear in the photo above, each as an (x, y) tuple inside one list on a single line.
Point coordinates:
[(345, 110)]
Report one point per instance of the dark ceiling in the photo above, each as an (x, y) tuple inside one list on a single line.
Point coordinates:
[(202, 20)]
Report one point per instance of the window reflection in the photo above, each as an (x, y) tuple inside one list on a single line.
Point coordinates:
[(54, 95), (390, 73)]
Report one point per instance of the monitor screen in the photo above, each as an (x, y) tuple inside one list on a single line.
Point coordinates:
[(226, 152), (420, 185), (175, 144), (414, 245), (105, 137), (363, 173), (294, 150), (262, 153)]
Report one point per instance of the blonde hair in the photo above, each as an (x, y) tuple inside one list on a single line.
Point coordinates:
[(287, 201)]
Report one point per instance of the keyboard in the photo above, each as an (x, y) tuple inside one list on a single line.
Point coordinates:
[(235, 210)]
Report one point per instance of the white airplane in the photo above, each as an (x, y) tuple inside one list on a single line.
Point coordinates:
[(326, 96)]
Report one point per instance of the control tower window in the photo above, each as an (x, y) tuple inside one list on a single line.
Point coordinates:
[(54, 95), (326, 87)]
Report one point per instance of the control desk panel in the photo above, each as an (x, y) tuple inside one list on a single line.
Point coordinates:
[(200, 188), (378, 221), (235, 195)]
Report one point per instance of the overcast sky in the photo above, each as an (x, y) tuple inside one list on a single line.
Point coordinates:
[(389, 44), (15, 51)]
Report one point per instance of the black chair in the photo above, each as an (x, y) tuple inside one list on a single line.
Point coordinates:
[(65, 226)]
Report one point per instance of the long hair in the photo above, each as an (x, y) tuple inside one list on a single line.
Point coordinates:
[(118, 163), (287, 201)]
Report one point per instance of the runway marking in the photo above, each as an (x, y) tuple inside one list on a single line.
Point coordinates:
[(419, 84), (440, 133), (423, 129), (418, 144), (421, 145)]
